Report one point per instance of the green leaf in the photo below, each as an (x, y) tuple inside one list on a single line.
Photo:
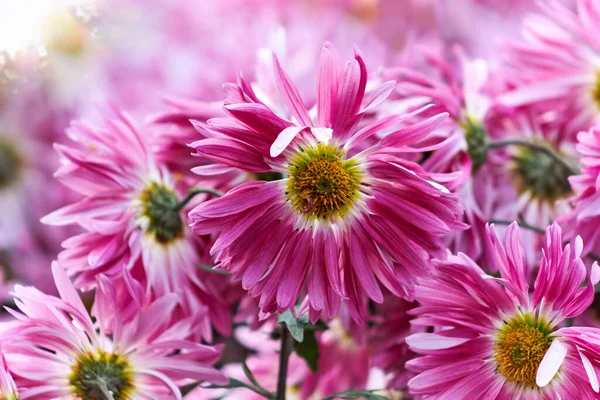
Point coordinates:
[(188, 388), (209, 268), (294, 325), (308, 349), (356, 394)]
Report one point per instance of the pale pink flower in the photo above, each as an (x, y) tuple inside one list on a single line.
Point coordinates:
[(557, 63), (55, 350), (133, 226), (337, 203), (494, 339)]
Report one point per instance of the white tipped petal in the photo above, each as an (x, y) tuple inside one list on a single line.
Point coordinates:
[(591, 373), (284, 139), (551, 363), (432, 341), (322, 134), (595, 273)]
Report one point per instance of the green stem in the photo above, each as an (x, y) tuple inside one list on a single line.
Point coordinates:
[(536, 147), (284, 356), (192, 193)]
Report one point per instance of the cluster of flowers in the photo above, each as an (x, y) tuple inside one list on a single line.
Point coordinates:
[(239, 211)]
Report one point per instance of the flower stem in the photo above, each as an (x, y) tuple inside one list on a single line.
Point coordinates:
[(536, 147), (192, 193), (284, 356)]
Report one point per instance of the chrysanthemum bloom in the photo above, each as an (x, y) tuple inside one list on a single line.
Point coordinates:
[(459, 86), (29, 123), (55, 350), (8, 389), (131, 212), (585, 216), (558, 63), (495, 339), (531, 175), (340, 220)]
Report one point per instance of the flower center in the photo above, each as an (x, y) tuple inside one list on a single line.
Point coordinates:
[(160, 207), (10, 164), (477, 143), (596, 90), (101, 376), (541, 175), (520, 347), (321, 183)]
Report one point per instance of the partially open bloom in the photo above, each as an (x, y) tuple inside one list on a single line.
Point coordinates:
[(558, 63), (133, 219), (345, 215), (55, 350), (495, 339), (584, 218)]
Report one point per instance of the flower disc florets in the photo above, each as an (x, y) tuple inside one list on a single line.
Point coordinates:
[(322, 184), (96, 376), (539, 174), (520, 347), (9, 164), (160, 207)]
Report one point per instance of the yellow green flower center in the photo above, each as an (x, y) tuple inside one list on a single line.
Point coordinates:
[(10, 164), (322, 185), (102, 376), (477, 143), (539, 174), (519, 349), (596, 91), (160, 207)]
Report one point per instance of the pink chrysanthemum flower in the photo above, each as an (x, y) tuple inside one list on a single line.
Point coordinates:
[(459, 86), (55, 350), (558, 64), (584, 218), (343, 217), (133, 220), (8, 389), (495, 339)]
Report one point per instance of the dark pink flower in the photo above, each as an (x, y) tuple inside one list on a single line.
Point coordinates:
[(345, 218), (494, 339)]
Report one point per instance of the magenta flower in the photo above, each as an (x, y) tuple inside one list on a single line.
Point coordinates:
[(344, 217), (134, 226), (55, 350), (557, 64), (495, 339)]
